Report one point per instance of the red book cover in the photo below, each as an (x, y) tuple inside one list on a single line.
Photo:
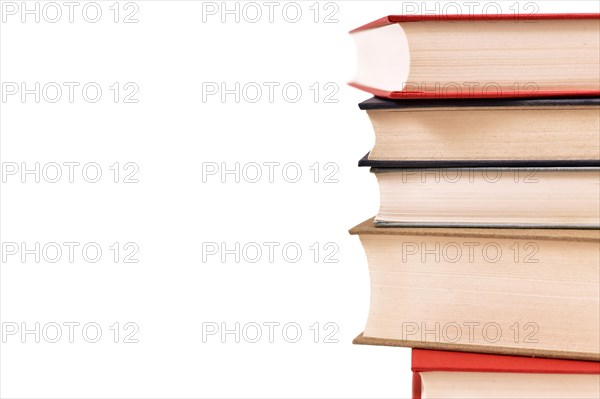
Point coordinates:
[(524, 93), (394, 19), (521, 92), (431, 360)]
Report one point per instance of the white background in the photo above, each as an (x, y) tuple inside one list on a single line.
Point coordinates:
[(170, 133)]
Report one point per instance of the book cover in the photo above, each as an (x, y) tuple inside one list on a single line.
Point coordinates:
[(394, 19), (433, 360), (408, 164)]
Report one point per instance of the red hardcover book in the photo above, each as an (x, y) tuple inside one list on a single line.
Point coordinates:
[(479, 56), (446, 361)]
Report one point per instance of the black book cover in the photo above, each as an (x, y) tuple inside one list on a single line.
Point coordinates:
[(366, 162), (383, 103)]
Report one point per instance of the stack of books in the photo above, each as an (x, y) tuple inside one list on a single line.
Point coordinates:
[(485, 254)]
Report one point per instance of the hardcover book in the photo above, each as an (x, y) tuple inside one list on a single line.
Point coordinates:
[(461, 375), (476, 56), (532, 292), (489, 197), (490, 132)]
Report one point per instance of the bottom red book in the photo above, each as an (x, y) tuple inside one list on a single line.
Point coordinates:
[(448, 375)]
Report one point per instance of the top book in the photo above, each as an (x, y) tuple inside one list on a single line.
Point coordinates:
[(479, 56)]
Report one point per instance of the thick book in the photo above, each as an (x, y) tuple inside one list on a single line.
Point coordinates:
[(528, 292), (490, 197), (491, 132), (475, 56), (445, 374)]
